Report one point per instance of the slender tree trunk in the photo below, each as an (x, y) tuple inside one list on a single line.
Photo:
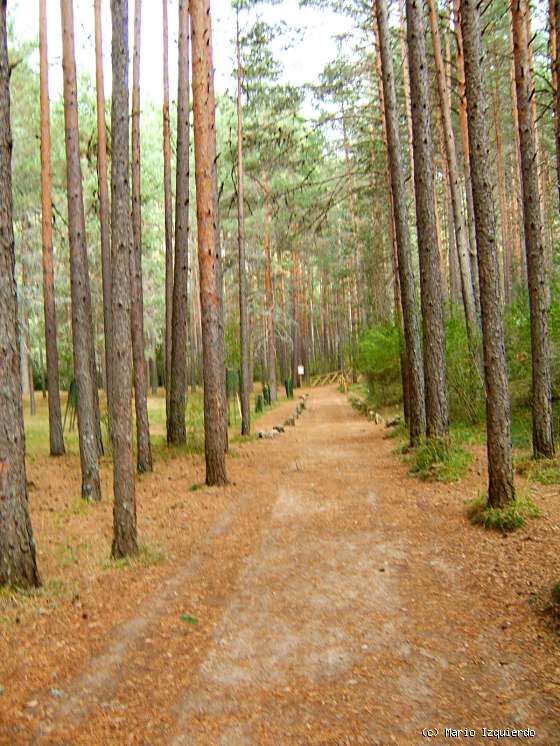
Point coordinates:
[(543, 444), (506, 241), (437, 418), (18, 566), (459, 225), (103, 200), (498, 442), (269, 294), (143, 446), (82, 326), (168, 210), (460, 71), (56, 436), (243, 329), (176, 430), (204, 109), (406, 277), (25, 324), (554, 60), (124, 505)]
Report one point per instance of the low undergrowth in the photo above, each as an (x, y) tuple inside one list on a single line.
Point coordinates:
[(506, 519), (543, 471), (440, 460)]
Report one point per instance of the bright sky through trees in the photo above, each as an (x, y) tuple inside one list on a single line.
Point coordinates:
[(314, 46)]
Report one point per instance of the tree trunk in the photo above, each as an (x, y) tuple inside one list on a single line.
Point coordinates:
[(25, 324), (460, 65), (176, 430), (459, 225), (243, 329), (124, 506), (103, 200), (406, 276), (143, 446), (269, 295), (204, 110), (18, 566), (437, 419), (168, 210), (56, 436), (543, 444), (82, 326), (554, 47), (498, 442)]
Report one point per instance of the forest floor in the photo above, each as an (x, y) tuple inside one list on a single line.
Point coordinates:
[(324, 597)]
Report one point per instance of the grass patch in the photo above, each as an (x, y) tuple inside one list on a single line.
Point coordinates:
[(439, 460), (147, 557), (555, 593), (505, 519)]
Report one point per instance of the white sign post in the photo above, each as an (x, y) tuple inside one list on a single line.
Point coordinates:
[(301, 371)]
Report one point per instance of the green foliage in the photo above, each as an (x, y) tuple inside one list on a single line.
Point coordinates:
[(504, 519), (188, 619), (544, 471), (259, 403), (439, 460), (289, 386), (555, 593), (466, 390), (266, 395), (379, 362)]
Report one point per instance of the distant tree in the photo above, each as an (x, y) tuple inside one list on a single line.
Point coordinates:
[(82, 326), (18, 566), (243, 327), (124, 508), (543, 444), (176, 428), (56, 437), (143, 445), (103, 200), (211, 303), (168, 210)]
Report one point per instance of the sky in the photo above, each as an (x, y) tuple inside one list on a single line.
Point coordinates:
[(302, 64)]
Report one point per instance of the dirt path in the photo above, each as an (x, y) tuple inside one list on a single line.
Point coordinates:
[(337, 601)]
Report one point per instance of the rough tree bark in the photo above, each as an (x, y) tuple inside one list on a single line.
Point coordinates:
[(18, 566), (463, 126), (176, 428), (459, 225), (437, 419), (243, 328), (168, 208), (543, 444), (204, 110), (498, 441), (406, 276), (554, 57), (82, 326), (143, 445), (103, 199), (56, 436), (124, 506)]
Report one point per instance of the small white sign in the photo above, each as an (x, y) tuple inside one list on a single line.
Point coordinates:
[(300, 370)]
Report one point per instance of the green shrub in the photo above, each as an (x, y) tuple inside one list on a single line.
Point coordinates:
[(504, 519), (464, 381), (438, 459), (379, 361)]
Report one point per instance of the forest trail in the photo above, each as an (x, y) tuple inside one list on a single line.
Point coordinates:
[(332, 607)]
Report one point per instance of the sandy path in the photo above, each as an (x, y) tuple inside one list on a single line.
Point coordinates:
[(332, 609)]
